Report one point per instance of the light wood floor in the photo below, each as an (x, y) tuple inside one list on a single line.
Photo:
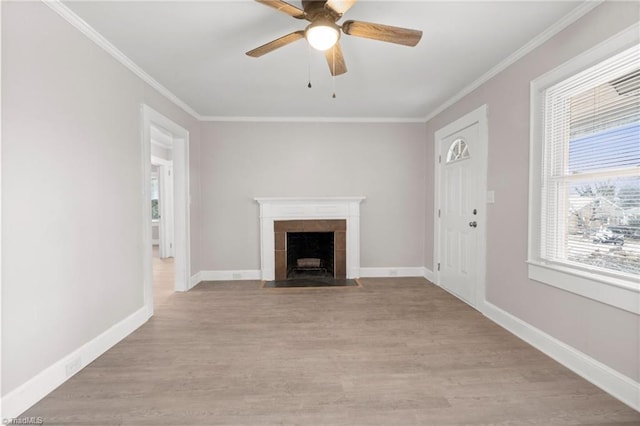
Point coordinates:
[(163, 278), (396, 351)]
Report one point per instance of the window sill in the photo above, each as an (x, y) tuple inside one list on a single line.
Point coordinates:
[(618, 292)]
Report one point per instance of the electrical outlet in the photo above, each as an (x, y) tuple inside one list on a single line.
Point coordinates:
[(236, 276), (73, 367)]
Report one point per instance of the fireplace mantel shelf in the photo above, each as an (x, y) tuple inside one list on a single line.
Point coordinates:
[(309, 208), (289, 200)]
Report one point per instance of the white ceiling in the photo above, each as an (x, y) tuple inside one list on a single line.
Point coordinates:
[(197, 51)]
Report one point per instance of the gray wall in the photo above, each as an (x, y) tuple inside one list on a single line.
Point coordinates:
[(70, 159), (384, 162), (603, 332)]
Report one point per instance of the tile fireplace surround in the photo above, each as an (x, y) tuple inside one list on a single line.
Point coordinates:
[(309, 208)]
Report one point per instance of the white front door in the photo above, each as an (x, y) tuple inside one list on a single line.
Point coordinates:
[(461, 208)]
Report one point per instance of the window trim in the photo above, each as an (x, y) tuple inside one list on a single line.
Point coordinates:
[(617, 290)]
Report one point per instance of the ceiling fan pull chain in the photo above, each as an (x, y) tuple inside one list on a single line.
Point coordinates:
[(309, 65), (333, 74)]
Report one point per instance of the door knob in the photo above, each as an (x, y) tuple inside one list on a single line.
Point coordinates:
[(473, 224)]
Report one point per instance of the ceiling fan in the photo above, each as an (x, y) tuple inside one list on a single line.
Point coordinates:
[(323, 33)]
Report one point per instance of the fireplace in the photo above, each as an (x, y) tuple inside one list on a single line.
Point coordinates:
[(282, 215), (310, 248), (310, 254)]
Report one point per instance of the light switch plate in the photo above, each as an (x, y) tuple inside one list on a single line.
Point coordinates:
[(491, 197)]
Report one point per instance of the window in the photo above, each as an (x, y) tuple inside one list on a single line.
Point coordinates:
[(585, 173), (155, 197), (459, 150)]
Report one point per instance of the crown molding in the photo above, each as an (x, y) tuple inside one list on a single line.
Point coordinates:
[(93, 35), (97, 38), (314, 119), (537, 41)]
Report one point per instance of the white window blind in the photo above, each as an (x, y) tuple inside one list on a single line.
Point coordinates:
[(590, 189)]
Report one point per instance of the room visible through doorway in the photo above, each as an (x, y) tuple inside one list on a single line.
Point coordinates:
[(165, 148), (162, 217)]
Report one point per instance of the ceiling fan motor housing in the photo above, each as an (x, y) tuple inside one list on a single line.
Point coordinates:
[(317, 9)]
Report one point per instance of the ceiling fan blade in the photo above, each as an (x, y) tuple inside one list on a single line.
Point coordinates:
[(335, 59), (381, 32), (284, 7), (339, 6), (275, 44)]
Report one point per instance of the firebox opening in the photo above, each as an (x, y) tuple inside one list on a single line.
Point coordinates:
[(310, 254)]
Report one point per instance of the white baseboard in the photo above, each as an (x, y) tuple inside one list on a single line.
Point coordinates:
[(24, 396), (428, 275), (254, 274), (409, 271), (195, 280), (249, 274), (616, 384)]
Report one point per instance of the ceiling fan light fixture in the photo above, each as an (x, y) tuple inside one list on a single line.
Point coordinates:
[(322, 35)]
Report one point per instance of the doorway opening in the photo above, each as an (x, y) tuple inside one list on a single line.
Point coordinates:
[(162, 217), (165, 208)]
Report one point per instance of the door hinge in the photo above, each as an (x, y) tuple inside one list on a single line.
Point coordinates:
[(169, 171), (438, 212), (170, 245), (438, 266), (439, 158)]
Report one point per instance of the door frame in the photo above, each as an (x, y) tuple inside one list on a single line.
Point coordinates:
[(477, 116), (181, 199), (166, 222)]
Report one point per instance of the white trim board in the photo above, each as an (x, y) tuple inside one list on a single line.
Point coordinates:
[(157, 161), (32, 391), (2, 416), (313, 119), (237, 275), (429, 275), (195, 280), (402, 271), (601, 375), (254, 274)]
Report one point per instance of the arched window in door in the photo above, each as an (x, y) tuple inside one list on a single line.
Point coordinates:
[(459, 150)]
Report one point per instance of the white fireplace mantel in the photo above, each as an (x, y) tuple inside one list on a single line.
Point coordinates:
[(308, 208)]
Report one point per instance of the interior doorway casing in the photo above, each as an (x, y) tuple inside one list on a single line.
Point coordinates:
[(181, 211), (479, 117)]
